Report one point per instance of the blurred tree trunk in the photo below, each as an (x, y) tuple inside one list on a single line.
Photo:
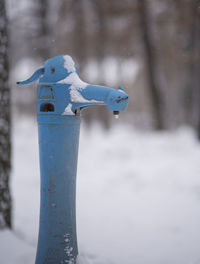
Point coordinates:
[(101, 38), (80, 38), (150, 63), (195, 65), (5, 124), (43, 29), (102, 112)]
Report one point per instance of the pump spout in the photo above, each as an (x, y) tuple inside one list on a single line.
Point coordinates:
[(115, 100)]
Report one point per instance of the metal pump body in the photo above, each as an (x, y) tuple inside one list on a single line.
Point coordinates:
[(60, 97)]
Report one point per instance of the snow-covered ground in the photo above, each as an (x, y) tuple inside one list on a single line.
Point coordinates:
[(138, 197)]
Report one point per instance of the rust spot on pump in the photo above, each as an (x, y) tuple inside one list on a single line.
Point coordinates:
[(122, 99)]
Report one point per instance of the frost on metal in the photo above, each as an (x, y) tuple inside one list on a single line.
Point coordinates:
[(70, 259)]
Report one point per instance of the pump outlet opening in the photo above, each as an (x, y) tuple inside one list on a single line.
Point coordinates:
[(47, 107)]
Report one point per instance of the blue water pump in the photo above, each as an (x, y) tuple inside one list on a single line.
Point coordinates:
[(60, 98)]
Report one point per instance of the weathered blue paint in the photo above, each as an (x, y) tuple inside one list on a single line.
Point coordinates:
[(58, 144), (60, 95)]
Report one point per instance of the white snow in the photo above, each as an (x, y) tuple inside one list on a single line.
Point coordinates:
[(14, 249), (74, 80), (69, 64), (76, 97), (120, 90), (68, 110), (77, 85), (138, 197)]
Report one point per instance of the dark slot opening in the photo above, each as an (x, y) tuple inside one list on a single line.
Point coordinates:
[(48, 107)]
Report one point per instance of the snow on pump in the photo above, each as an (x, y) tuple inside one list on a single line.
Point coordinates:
[(61, 96)]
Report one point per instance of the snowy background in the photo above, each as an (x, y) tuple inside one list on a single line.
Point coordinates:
[(138, 196), (138, 192)]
